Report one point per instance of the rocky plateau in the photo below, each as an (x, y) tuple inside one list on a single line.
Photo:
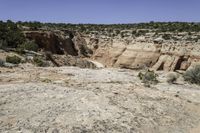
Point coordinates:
[(90, 84)]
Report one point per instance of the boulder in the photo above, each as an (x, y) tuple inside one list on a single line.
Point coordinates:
[(137, 56)]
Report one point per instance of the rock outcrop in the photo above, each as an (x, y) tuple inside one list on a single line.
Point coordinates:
[(63, 60), (49, 41), (60, 42), (156, 54), (132, 53), (64, 48)]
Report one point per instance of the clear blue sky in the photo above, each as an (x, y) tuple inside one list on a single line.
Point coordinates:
[(100, 11)]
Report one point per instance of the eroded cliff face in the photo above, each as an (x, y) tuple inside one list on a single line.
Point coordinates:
[(60, 42), (63, 48), (156, 54), (132, 53)]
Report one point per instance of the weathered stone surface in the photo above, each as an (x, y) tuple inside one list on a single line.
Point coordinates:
[(109, 56), (46, 40), (132, 53), (64, 60), (81, 45), (66, 48), (138, 55), (74, 100), (156, 54), (59, 42)]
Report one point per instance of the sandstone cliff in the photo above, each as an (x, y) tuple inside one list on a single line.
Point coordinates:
[(140, 52), (129, 52), (66, 48)]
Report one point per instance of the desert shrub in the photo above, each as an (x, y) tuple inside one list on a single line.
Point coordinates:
[(141, 33), (166, 36), (122, 35), (193, 75), (117, 32), (11, 34), (29, 45), (46, 80), (148, 78), (3, 44), (13, 59), (172, 78), (134, 32), (1, 63), (39, 61)]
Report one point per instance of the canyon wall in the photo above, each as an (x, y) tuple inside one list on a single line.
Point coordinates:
[(131, 53), (156, 54)]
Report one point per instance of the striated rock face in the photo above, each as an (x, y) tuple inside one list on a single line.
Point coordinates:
[(134, 56), (138, 55), (64, 48), (156, 54), (81, 45), (131, 53), (178, 57), (49, 41), (60, 42)]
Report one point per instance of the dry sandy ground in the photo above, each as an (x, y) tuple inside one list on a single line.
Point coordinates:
[(74, 100)]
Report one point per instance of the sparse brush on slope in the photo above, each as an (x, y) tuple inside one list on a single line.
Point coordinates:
[(148, 78), (193, 75), (29, 45), (13, 59), (39, 61)]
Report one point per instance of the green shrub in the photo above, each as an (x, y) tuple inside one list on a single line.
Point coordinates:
[(148, 78), (13, 59), (46, 80), (117, 31), (193, 75), (11, 34), (3, 44), (38, 61), (166, 36), (29, 45)]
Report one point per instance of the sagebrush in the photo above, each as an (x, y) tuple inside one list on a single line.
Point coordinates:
[(148, 77), (193, 75), (13, 59)]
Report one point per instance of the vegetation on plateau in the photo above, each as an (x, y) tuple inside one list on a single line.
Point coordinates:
[(11, 32)]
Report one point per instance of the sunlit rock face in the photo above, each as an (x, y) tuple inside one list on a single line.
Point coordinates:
[(157, 54)]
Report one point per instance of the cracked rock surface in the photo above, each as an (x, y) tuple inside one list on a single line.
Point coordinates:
[(74, 100)]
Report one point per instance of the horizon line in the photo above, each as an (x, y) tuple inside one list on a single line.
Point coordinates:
[(29, 21)]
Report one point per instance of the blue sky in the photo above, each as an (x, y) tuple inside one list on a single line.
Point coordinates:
[(100, 11)]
